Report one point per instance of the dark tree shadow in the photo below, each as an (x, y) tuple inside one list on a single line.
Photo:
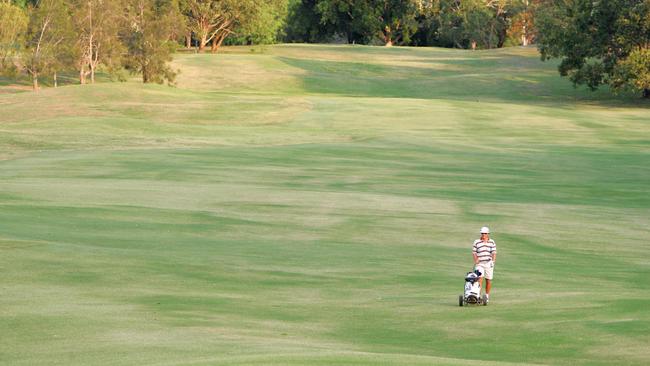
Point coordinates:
[(507, 78)]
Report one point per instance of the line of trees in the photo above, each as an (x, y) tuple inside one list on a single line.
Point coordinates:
[(598, 42), (445, 23), (211, 22), (46, 37)]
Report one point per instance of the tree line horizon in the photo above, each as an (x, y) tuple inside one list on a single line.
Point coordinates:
[(598, 42)]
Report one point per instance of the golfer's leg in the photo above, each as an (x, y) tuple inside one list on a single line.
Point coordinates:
[(488, 286)]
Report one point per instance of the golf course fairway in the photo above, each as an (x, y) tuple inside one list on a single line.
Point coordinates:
[(316, 205)]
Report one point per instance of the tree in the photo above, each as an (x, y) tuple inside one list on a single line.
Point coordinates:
[(206, 18), (263, 25), (97, 24), (523, 27), (462, 23), (396, 19), (149, 39), (183, 7), (388, 21), (599, 42), (428, 19), (633, 73), (477, 23), (47, 47), (345, 17), (303, 23), (212, 21), (13, 25)]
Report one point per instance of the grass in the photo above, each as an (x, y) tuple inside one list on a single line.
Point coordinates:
[(316, 205)]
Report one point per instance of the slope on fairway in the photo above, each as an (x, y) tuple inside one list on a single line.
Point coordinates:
[(316, 205)]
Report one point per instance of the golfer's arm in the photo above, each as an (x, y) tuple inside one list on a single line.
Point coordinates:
[(475, 258), (494, 257)]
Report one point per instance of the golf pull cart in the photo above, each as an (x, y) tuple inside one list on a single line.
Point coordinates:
[(472, 294)]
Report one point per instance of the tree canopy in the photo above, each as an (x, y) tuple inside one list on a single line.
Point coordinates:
[(149, 38), (598, 42), (213, 21), (446, 23)]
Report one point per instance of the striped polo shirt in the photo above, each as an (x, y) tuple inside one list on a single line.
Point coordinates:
[(484, 250)]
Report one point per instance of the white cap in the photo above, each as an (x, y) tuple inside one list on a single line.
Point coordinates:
[(485, 230)]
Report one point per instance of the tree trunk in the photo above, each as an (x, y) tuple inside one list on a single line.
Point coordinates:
[(524, 35), (473, 43), (90, 39), (214, 47), (526, 39), (202, 43), (56, 82), (502, 36), (35, 81), (388, 36), (82, 76), (217, 41), (646, 93), (188, 41), (92, 74)]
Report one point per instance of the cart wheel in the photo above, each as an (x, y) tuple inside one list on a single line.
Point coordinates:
[(485, 300), (460, 300)]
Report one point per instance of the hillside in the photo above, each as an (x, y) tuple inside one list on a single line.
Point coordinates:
[(316, 205)]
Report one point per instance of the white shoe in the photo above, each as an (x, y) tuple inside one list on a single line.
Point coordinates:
[(487, 298)]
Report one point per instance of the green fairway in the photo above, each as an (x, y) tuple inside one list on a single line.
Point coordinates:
[(316, 205)]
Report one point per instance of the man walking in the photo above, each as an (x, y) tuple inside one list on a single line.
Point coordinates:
[(485, 255)]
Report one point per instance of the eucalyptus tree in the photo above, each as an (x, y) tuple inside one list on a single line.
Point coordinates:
[(13, 25), (522, 26), (149, 37), (97, 26), (49, 36), (212, 21)]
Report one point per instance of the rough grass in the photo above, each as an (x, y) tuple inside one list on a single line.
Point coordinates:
[(316, 205)]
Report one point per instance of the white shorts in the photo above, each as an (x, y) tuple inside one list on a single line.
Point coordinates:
[(487, 268)]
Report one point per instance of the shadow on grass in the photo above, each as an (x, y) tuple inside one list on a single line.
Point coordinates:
[(14, 85), (511, 79), (23, 83)]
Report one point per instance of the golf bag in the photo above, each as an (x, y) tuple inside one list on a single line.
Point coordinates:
[(472, 293)]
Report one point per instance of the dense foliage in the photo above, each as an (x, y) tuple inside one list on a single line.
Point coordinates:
[(13, 25), (446, 23), (247, 21), (599, 42), (83, 35)]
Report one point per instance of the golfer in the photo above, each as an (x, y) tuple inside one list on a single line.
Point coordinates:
[(485, 255)]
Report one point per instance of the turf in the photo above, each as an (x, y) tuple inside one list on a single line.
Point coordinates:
[(315, 205)]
